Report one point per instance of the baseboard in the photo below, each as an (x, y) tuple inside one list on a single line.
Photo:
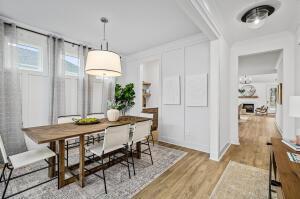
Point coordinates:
[(235, 141), (217, 158), (224, 150), (202, 148)]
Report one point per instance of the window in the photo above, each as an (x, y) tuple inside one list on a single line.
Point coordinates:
[(72, 65), (29, 58)]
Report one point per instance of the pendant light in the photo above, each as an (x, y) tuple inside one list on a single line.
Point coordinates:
[(102, 62)]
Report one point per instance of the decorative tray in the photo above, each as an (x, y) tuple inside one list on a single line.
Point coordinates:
[(86, 121)]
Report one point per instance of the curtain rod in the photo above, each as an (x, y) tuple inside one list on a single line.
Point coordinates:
[(26, 29)]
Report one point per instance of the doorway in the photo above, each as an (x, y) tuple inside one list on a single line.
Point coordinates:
[(259, 76)]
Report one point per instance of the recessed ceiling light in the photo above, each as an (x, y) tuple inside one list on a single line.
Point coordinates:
[(256, 17)]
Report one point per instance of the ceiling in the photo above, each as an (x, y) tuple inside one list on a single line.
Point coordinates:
[(134, 25), (226, 12), (261, 63)]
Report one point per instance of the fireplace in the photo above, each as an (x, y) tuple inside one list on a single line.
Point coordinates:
[(249, 108)]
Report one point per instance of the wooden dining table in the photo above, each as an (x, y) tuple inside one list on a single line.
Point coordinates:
[(58, 133)]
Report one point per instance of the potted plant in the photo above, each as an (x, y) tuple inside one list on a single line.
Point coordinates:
[(124, 96), (113, 112)]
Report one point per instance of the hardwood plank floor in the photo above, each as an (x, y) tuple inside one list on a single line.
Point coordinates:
[(195, 176)]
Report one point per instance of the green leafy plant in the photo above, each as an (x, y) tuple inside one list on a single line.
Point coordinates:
[(124, 97), (113, 105)]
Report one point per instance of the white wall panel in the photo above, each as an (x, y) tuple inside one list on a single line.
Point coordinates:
[(196, 118), (71, 93), (133, 76), (173, 115), (96, 101)]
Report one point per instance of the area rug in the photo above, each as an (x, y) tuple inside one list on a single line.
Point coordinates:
[(118, 183), (241, 181)]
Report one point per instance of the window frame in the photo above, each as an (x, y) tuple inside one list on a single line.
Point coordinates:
[(40, 61), (70, 74), (36, 41)]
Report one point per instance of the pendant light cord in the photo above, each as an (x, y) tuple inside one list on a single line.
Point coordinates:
[(104, 21)]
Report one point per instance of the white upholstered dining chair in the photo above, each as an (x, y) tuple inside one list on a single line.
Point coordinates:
[(150, 116), (21, 160), (140, 133), (95, 136), (115, 140), (70, 142)]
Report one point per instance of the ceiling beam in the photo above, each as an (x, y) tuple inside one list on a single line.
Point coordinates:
[(198, 13)]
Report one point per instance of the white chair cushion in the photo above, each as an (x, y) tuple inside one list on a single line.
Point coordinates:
[(29, 157), (97, 149)]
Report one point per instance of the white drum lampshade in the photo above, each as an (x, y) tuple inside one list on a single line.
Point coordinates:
[(295, 106), (103, 63)]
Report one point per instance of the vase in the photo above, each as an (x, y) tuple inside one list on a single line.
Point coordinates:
[(113, 115)]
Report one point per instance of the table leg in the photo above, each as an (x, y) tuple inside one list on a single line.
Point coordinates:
[(51, 170), (61, 163), (138, 150), (81, 161)]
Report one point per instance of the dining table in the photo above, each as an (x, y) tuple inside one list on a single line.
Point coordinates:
[(55, 135)]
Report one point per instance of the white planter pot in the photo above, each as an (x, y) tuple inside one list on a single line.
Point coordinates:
[(113, 115)]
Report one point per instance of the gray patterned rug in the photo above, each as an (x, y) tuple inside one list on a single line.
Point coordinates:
[(118, 183)]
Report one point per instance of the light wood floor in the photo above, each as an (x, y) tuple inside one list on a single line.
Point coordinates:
[(195, 176)]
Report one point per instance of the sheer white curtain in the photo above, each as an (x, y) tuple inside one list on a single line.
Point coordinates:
[(10, 92), (84, 93), (57, 78)]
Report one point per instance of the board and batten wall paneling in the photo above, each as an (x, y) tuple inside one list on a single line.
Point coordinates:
[(35, 102), (197, 61), (71, 93), (96, 100), (178, 124), (172, 124)]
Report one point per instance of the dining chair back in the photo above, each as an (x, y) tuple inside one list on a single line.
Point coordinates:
[(3, 151), (116, 137), (96, 115), (141, 130), (147, 115), (67, 119)]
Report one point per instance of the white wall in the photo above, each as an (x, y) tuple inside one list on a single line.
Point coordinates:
[(297, 70), (224, 97), (181, 125), (262, 63), (151, 74)]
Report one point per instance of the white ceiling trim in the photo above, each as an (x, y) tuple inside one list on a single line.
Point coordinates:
[(198, 13), (154, 53)]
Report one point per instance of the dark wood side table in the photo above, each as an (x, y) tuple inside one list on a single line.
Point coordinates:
[(286, 173)]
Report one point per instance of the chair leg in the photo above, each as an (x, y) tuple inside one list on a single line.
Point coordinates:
[(103, 175), (152, 138), (127, 162), (3, 173), (149, 150), (132, 159), (6, 185)]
